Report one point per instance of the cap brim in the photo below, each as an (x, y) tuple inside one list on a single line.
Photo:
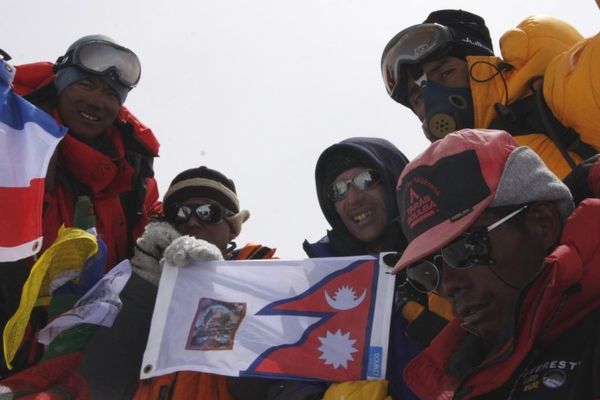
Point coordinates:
[(437, 237)]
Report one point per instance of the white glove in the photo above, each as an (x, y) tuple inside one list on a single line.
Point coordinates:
[(149, 250), (187, 249)]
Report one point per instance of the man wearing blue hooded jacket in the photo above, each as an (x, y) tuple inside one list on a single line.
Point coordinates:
[(355, 182)]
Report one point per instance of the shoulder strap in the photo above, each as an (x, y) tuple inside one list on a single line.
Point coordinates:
[(531, 114), (141, 159)]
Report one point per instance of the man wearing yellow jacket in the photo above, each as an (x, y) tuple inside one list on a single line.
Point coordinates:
[(543, 89)]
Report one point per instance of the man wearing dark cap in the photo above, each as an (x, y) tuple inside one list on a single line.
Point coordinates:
[(445, 71), (355, 182), (202, 218), (520, 267)]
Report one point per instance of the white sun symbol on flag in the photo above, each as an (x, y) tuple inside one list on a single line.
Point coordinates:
[(336, 349)]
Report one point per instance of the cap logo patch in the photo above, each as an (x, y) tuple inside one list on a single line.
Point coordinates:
[(445, 191), (420, 206)]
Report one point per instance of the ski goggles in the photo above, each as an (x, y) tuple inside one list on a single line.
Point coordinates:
[(5, 56), (470, 249), (363, 181), (411, 46), (103, 57), (208, 213)]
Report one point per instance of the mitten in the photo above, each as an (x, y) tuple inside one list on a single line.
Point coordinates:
[(149, 250), (186, 249)]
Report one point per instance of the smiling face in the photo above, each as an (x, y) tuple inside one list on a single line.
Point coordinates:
[(88, 107), (484, 297), (363, 213)]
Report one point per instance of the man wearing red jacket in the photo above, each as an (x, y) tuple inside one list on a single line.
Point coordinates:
[(107, 153), (493, 230), (106, 156)]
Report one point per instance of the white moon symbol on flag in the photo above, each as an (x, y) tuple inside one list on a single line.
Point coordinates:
[(345, 299)]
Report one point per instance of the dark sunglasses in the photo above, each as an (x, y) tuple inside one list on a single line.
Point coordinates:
[(363, 181), (208, 213), (470, 249)]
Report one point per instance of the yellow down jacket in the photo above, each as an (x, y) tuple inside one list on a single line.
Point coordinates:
[(542, 46)]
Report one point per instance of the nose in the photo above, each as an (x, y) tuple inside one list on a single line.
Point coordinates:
[(193, 221), (452, 280), (99, 97), (353, 194), (96, 99)]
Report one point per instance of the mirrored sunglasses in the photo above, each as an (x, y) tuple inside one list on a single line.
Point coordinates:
[(363, 181), (471, 249), (209, 213)]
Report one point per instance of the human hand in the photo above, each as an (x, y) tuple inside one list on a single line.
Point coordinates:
[(149, 250)]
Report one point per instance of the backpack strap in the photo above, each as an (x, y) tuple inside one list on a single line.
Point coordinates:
[(531, 114), (141, 159)]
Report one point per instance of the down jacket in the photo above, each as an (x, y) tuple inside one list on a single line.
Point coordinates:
[(542, 46)]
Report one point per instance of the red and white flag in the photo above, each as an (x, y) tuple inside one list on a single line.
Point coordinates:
[(321, 318), (28, 137)]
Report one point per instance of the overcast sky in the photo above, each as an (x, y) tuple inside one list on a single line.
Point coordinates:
[(257, 89)]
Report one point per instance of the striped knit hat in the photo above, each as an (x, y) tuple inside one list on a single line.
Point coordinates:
[(208, 184)]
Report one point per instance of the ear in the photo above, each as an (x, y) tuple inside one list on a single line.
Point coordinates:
[(543, 220)]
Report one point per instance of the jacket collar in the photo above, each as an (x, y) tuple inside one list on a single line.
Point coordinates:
[(564, 293)]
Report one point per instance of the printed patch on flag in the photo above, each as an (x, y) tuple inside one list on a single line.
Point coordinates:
[(215, 325), (319, 319)]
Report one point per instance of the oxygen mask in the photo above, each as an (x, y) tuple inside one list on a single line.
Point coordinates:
[(447, 109)]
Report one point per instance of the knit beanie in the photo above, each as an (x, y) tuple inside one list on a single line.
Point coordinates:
[(476, 39), (65, 77), (208, 184)]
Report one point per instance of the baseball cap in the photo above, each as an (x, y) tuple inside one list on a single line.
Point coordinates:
[(442, 192)]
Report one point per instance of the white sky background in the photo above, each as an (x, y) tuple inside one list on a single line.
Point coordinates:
[(257, 89)]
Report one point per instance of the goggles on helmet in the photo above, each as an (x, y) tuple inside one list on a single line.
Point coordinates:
[(417, 43), (411, 46), (102, 57)]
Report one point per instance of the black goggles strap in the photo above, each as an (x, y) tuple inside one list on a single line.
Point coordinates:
[(5, 56)]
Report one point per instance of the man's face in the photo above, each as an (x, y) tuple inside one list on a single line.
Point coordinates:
[(218, 234), (88, 107), (448, 71), (485, 296), (363, 213)]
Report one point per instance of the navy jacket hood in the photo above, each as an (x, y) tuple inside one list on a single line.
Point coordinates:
[(389, 161)]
